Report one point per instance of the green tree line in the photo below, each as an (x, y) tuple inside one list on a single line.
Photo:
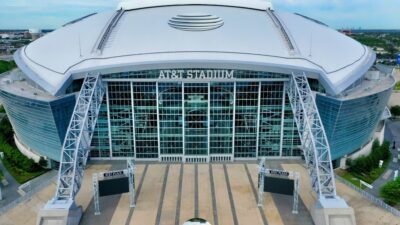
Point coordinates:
[(6, 66), (365, 164), (390, 192)]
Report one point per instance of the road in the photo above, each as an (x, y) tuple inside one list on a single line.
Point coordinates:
[(10, 191), (6, 57), (392, 133), (395, 97)]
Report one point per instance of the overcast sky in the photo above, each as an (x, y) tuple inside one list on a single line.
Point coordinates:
[(50, 14)]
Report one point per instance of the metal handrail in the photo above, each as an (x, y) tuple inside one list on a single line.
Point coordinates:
[(370, 197), (28, 195)]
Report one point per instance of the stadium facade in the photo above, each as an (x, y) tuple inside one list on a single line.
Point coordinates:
[(195, 81)]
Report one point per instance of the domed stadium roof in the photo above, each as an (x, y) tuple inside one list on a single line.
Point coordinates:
[(220, 33)]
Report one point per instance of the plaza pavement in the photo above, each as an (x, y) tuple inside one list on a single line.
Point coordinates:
[(223, 194)]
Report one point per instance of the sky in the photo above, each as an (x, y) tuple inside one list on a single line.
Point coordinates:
[(51, 14)]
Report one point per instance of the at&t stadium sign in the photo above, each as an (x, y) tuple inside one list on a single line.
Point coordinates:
[(196, 74)]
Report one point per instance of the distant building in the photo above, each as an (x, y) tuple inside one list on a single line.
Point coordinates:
[(380, 50), (6, 36), (347, 32), (35, 33)]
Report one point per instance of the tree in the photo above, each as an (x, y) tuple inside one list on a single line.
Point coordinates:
[(395, 110), (392, 51), (365, 164), (390, 192), (43, 162)]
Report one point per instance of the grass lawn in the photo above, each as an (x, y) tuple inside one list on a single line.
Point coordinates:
[(1, 175), (349, 177), (5, 66), (369, 178), (20, 175), (397, 86), (376, 173)]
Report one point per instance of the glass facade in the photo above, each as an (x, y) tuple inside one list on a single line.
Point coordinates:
[(242, 117), (350, 124), (39, 125)]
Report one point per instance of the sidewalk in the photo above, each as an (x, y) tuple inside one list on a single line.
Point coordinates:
[(392, 133), (10, 191)]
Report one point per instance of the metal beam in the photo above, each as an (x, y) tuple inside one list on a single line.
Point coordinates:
[(312, 135), (131, 174)]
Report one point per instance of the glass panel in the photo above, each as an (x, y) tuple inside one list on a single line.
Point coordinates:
[(246, 119), (119, 94), (270, 118), (196, 121), (145, 105), (100, 146), (170, 115), (221, 118)]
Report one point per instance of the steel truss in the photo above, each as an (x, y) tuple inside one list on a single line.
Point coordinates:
[(312, 135), (131, 175), (77, 140)]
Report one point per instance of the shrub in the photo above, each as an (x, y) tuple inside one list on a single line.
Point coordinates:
[(390, 192), (365, 164), (43, 162), (395, 110), (6, 66)]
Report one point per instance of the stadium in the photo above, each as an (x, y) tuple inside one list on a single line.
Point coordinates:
[(196, 81)]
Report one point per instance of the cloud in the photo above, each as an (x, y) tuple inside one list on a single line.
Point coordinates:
[(22, 14), (48, 14), (382, 14)]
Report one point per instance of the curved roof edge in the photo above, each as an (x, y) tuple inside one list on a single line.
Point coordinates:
[(357, 73), (30, 74), (252, 4), (347, 75)]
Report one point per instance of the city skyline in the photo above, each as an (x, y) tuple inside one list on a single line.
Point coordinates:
[(48, 14)]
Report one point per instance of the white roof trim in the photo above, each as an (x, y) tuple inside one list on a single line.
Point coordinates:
[(138, 4)]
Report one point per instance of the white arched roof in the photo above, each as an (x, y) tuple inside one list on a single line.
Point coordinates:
[(248, 37)]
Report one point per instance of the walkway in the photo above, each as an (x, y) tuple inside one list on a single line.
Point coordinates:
[(170, 194), (10, 191), (392, 133)]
